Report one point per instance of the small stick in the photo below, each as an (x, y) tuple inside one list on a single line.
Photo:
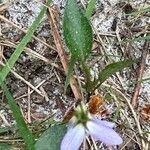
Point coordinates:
[(140, 74), (44, 93), (24, 95), (2, 116)]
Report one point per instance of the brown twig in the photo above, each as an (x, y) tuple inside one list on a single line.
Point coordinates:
[(61, 52), (140, 73)]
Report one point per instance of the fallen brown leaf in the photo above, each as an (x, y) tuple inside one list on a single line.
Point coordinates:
[(145, 112)]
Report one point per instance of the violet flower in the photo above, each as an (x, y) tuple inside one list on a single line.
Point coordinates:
[(83, 124)]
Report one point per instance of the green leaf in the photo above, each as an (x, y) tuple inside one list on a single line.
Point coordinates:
[(4, 146), (112, 69), (51, 138), (69, 72), (90, 8), (24, 131), (77, 31), (20, 47)]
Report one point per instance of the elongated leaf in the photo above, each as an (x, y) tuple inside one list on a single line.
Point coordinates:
[(24, 131), (77, 31), (20, 47), (51, 138), (90, 8), (4, 146), (113, 68)]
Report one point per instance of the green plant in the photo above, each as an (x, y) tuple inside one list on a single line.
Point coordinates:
[(25, 133), (79, 38)]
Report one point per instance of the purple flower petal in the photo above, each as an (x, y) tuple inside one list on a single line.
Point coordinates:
[(103, 122), (71, 123), (73, 138), (103, 133)]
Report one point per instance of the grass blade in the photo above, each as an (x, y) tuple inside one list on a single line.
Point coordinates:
[(5, 146), (20, 47), (25, 132), (90, 8), (146, 79)]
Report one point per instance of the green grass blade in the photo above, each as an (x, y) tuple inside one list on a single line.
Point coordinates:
[(25, 132), (90, 8), (5, 146), (20, 47)]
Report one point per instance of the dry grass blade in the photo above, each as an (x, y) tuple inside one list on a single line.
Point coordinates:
[(3, 6), (132, 110), (27, 50), (30, 52), (25, 95), (25, 31), (44, 93), (25, 81)]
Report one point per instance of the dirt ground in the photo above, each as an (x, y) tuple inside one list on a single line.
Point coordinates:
[(37, 79)]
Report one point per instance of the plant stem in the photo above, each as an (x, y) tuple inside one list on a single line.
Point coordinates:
[(88, 82)]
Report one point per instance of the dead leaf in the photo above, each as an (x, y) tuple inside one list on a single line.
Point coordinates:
[(145, 112), (94, 104)]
